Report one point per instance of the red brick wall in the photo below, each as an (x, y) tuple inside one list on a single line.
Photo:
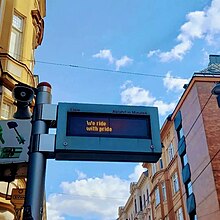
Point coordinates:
[(202, 143)]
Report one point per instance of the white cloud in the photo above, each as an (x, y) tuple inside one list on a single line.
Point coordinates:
[(80, 174), (138, 170), (52, 212), (205, 57), (124, 61), (92, 198), (107, 54), (174, 84), (134, 95), (199, 25), (177, 52), (153, 52), (163, 107)]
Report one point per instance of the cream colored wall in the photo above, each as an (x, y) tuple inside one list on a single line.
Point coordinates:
[(24, 10), (2, 8)]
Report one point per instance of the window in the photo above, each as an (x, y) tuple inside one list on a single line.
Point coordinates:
[(157, 197), (154, 168), (2, 5), (140, 200), (184, 160), (189, 188), (180, 133), (135, 206), (148, 196), (170, 152), (175, 183), (164, 191), (16, 36), (179, 214), (5, 111), (161, 163), (144, 200)]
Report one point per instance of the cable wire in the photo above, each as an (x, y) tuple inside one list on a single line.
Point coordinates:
[(139, 74), (94, 68)]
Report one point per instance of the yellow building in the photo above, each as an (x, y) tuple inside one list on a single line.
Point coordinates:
[(21, 32)]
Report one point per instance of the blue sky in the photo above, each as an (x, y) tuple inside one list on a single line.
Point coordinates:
[(160, 44)]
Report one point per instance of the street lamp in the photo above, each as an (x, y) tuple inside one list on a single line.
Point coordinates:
[(216, 91)]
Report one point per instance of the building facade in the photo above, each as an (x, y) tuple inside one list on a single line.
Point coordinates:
[(21, 32), (185, 182)]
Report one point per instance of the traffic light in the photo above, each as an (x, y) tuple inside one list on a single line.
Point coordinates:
[(23, 96)]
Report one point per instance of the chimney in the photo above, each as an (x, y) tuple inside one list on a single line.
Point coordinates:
[(214, 59)]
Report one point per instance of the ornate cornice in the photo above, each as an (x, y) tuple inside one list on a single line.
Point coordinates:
[(38, 23)]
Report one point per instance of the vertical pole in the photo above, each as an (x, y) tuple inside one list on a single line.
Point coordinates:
[(33, 206)]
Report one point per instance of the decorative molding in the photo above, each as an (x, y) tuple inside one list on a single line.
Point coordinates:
[(38, 23)]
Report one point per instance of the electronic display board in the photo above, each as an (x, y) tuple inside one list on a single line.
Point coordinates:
[(93, 132), (108, 125)]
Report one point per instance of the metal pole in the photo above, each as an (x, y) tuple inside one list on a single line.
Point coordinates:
[(33, 206)]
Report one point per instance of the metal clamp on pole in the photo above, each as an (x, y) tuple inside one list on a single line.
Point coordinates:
[(33, 205)]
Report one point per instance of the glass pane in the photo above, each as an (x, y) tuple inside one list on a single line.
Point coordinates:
[(185, 160), (189, 188), (5, 111), (15, 44), (17, 22)]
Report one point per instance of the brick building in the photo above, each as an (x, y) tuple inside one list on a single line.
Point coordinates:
[(185, 182)]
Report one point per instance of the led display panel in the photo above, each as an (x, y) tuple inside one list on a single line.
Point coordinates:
[(108, 125), (94, 132)]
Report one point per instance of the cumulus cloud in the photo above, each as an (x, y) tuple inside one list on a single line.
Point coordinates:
[(53, 212), (135, 95), (163, 107), (173, 83), (199, 25), (153, 52), (107, 54), (124, 61), (138, 170), (92, 198), (80, 174)]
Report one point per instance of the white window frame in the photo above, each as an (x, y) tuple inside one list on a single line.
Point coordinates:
[(179, 214), (2, 6), (175, 182), (154, 168), (16, 36), (170, 152), (5, 110), (164, 191), (157, 196)]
